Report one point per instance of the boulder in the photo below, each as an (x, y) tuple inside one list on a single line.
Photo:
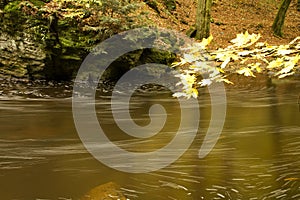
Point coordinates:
[(107, 191)]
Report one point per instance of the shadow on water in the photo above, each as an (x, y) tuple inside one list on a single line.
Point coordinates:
[(256, 157)]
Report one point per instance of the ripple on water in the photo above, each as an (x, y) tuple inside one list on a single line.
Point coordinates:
[(15, 154)]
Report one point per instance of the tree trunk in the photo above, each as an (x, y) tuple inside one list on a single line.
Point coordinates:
[(203, 19), (279, 20)]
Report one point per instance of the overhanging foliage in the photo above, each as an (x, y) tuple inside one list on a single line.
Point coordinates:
[(246, 56)]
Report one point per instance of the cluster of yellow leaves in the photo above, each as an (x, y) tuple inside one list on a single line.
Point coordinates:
[(187, 81), (244, 40), (278, 61), (198, 64), (267, 58)]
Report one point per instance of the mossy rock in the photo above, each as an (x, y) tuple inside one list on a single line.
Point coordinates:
[(157, 56), (62, 43), (108, 191)]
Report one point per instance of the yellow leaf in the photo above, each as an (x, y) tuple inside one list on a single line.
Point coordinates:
[(220, 70), (189, 57), (175, 64), (194, 93), (245, 53), (258, 69), (255, 66), (284, 75), (206, 41), (245, 40), (205, 82), (276, 63), (234, 57), (294, 40), (179, 94), (246, 72), (289, 66), (260, 57), (296, 59), (187, 80), (240, 39), (226, 81), (283, 50), (226, 61), (223, 55), (261, 44), (244, 60), (188, 93)]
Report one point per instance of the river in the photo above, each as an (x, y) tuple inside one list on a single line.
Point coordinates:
[(256, 157)]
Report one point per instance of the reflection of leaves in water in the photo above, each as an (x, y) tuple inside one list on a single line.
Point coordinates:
[(291, 179)]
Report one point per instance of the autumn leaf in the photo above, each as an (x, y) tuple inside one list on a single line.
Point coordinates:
[(175, 64), (179, 94), (189, 58), (192, 92), (255, 66), (206, 41), (220, 70), (224, 80), (280, 60), (260, 44), (245, 40), (284, 50), (289, 66), (187, 80), (287, 74), (205, 82), (246, 72), (226, 61), (294, 40), (276, 63)]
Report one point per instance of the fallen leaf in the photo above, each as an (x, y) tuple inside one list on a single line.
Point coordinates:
[(246, 72)]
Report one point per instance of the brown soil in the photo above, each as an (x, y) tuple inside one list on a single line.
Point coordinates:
[(231, 17)]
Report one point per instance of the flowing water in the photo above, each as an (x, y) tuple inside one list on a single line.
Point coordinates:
[(256, 157)]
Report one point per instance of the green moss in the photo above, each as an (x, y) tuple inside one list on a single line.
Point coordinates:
[(12, 7), (37, 3), (16, 71), (67, 42), (170, 4)]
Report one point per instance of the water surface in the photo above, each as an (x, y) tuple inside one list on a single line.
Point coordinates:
[(256, 157)]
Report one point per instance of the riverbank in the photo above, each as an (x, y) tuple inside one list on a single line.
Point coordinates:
[(42, 40)]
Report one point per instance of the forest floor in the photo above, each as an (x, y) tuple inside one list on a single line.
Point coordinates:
[(231, 17)]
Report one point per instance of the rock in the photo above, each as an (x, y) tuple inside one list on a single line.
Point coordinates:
[(38, 43), (107, 191), (19, 58)]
